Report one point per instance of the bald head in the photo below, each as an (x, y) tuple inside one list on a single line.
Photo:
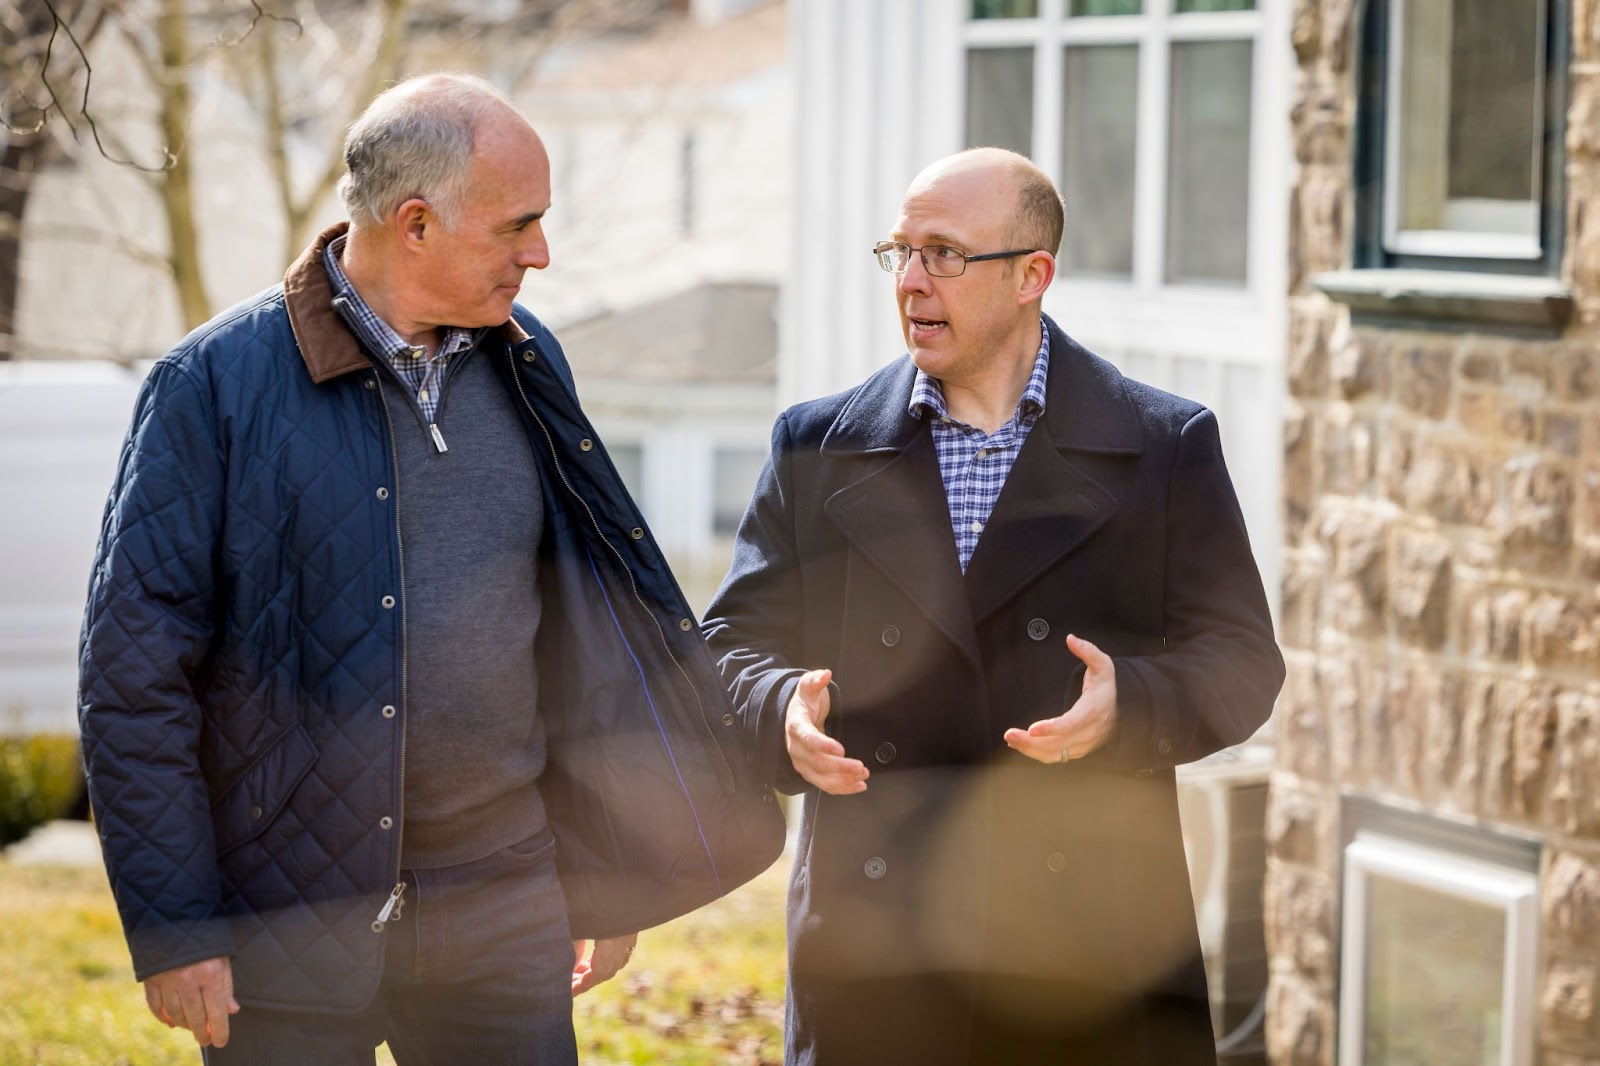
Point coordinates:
[(1037, 217), (416, 139)]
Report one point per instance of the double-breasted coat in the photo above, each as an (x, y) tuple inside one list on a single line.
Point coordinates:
[(973, 905)]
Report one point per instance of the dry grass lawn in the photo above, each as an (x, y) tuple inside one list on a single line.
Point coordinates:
[(706, 989)]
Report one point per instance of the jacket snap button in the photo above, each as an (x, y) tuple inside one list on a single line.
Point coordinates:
[(727, 719), (255, 814), (885, 753), (875, 868), (527, 357), (386, 822), (1038, 629), (685, 625), (388, 602), (388, 711), (383, 494), (1055, 862), (636, 533), (585, 444), (891, 636), (766, 797), (1164, 746), (370, 384)]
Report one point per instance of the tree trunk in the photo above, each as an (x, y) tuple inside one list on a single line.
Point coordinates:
[(19, 162), (177, 182)]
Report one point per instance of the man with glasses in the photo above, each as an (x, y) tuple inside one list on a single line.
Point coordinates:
[(980, 607)]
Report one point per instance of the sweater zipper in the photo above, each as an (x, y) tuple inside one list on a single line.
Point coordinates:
[(633, 585), (391, 906)]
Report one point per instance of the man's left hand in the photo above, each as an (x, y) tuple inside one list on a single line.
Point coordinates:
[(603, 963), (1087, 725)]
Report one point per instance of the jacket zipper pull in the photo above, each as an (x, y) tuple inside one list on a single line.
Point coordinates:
[(390, 907), (438, 438)]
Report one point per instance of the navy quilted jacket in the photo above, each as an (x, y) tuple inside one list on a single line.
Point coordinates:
[(243, 665)]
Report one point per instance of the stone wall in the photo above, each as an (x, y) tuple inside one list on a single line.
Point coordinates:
[(1441, 589)]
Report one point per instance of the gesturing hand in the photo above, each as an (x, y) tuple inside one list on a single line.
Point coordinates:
[(1089, 724), (817, 757), (197, 997)]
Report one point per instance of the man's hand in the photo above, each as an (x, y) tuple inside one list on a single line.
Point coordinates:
[(817, 757), (197, 997), (1087, 725), (603, 963)]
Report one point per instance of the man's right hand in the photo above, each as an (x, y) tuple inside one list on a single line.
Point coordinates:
[(817, 757), (197, 997)]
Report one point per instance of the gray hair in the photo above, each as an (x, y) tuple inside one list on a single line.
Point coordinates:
[(415, 140)]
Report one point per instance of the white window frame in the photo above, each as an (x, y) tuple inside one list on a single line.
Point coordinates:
[(1449, 243), (1514, 892)]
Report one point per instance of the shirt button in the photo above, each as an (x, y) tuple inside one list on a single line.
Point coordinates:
[(885, 753), (977, 526), (389, 711), (944, 420), (1055, 862), (1038, 629), (875, 868), (1164, 746), (388, 603), (891, 636), (386, 822), (983, 453)]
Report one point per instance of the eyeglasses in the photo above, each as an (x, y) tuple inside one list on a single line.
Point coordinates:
[(940, 260)]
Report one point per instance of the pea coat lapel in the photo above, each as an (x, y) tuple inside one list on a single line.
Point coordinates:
[(894, 513), (1051, 503)]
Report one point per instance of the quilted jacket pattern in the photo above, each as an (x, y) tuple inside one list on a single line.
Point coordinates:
[(245, 631)]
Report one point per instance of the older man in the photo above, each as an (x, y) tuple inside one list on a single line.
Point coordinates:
[(980, 607), (387, 693)]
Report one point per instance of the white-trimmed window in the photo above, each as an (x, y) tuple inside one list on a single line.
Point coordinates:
[(1144, 111), (1460, 154), (1439, 956)]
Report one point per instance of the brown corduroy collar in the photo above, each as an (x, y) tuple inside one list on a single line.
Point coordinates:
[(326, 343)]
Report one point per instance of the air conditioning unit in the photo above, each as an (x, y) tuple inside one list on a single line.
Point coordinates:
[(1222, 802)]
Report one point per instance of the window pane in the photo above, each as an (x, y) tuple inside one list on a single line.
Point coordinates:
[(1005, 9), (1435, 973), (734, 472), (1471, 116), (1185, 6), (1208, 162), (1097, 158), (1106, 7), (1000, 98)]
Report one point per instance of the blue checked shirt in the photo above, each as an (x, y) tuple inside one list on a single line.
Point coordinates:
[(975, 464), (423, 376)]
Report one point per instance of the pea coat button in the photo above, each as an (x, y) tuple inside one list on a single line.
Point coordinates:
[(1038, 629), (383, 493), (885, 753), (585, 444), (1164, 746), (388, 711), (1055, 862), (875, 868), (255, 814), (386, 822), (891, 636), (388, 603), (685, 625)]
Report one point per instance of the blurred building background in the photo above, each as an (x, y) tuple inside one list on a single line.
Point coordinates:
[(1360, 230)]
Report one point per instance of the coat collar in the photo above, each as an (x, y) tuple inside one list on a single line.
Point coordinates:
[(1086, 407), (326, 343)]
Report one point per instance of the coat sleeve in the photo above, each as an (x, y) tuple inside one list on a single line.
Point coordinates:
[(1216, 679), (147, 631), (754, 624)]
